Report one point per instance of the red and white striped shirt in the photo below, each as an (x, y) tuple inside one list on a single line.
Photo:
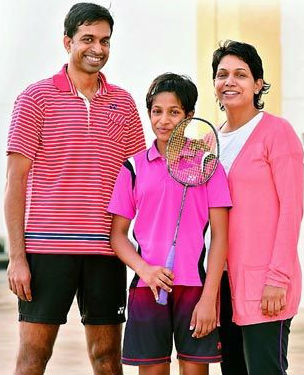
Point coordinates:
[(76, 157)]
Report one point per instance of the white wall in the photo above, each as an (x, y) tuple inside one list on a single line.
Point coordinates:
[(293, 63), (293, 77), (150, 37)]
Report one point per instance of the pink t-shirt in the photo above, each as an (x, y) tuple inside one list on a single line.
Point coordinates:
[(155, 200)]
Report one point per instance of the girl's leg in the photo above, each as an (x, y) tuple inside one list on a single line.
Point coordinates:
[(193, 368), (159, 369)]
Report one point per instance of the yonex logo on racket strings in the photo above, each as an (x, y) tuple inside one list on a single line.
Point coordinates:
[(192, 178)]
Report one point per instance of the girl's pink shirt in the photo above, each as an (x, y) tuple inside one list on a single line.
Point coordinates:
[(266, 186)]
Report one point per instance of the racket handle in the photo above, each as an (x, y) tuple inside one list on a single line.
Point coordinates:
[(163, 295), (170, 258)]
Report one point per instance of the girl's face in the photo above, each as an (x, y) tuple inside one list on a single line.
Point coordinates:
[(234, 84), (166, 113)]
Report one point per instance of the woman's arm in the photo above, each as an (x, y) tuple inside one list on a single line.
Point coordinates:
[(286, 163), (153, 276), (204, 317)]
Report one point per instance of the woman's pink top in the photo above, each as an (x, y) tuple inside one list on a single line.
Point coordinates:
[(266, 185)]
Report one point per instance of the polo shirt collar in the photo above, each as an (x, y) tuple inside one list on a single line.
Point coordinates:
[(63, 82), (153, 153)]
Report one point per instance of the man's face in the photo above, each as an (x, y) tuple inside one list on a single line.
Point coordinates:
[(89, 48)]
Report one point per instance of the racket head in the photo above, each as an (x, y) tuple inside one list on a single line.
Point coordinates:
[(192, 151)]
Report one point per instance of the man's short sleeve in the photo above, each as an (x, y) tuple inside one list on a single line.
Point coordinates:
[(218, 190), (25, 128), (122, 201)]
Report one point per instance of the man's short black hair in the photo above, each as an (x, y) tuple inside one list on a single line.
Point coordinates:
[(85, 13)]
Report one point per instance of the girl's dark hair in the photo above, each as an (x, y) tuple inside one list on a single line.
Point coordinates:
[(181, 85), (85, 13), (249, 55)]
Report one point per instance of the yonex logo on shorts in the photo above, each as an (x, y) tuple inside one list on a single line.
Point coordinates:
[(121, 310)]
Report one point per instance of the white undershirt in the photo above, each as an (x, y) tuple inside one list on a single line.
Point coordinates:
[(85, 99), (231, 144)]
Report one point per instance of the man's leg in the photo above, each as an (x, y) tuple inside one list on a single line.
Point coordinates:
[(104, 348), (36, 346), (53, 283), (101, 299)]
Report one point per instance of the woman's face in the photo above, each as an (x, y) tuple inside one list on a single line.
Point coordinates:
[(234, 84)]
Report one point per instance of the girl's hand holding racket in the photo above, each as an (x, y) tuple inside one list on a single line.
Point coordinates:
[(203, 319), (157, 277)]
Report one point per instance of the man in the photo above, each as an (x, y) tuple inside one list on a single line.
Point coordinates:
[(68, 138)]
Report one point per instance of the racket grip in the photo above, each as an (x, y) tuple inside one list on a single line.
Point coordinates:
[(170, 258), (163, 295)]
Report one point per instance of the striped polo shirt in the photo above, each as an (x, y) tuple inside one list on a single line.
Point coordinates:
[(76, 155)]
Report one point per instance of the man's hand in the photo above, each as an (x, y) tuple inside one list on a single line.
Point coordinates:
[(157, 276), (19, 278), (273, 300), (203, 319)]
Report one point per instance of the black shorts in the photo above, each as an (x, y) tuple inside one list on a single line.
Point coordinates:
[(150, 329), (98, 281)]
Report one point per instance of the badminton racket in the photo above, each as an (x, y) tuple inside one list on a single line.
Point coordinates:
[(192, 155)]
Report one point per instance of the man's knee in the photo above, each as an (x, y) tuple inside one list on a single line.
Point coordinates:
[(36, 347), (106, 358), (33, 359)]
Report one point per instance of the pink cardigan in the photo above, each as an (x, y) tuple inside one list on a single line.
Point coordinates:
[(266, 185)]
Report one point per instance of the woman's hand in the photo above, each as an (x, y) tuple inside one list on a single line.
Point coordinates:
[(203, 319), (273, 300)]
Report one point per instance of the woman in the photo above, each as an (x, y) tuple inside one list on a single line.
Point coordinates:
[(263, 159)]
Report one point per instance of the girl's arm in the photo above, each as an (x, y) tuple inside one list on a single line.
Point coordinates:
[(153, 276), (204, 317)]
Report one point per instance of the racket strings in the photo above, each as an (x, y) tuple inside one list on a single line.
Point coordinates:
[(192, 153)]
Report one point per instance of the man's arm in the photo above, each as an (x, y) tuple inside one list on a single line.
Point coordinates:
[(19, 276)]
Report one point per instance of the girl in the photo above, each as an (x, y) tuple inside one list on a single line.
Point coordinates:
[(144, 188)]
